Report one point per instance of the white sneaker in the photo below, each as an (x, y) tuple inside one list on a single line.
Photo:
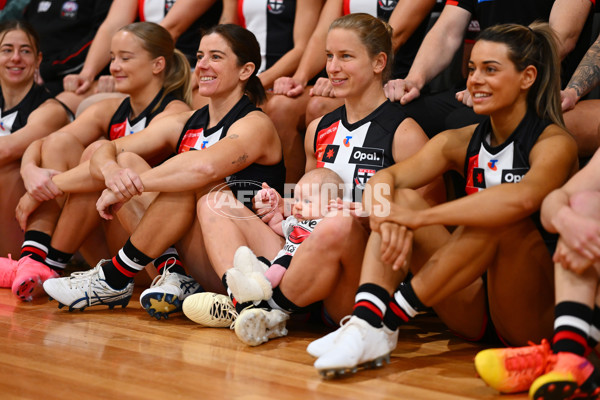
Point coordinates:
[(245, 287), (356, 345), (318, 347), (210, 309), (86, 289), (255, 326), (167, 292)]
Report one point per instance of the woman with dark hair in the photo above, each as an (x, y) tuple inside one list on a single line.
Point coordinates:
[(229, 140), (366, 134)]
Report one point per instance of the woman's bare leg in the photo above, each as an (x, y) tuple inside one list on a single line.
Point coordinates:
[(289, 114), (12, 190), (327, 266), (318, 106), (238, 225), (583, 122)]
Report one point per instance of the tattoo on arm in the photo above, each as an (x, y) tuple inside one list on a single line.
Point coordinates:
[(587, 74), (233, 136), (241, 159)]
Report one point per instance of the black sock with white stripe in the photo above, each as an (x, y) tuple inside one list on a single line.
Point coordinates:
[(403, 306), (124, 266), (170, 259), (57, 260), (278, 301), (370, 303), (35, 245), (571, 328)]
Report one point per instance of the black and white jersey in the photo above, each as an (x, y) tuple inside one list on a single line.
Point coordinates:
[(272, 22), (122, 125), (245, 183), (15, 118), (357, 151), (487, 166)]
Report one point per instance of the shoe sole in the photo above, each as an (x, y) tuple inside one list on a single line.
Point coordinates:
[(161, 305), (253, 328), (193, 308), (29, 288), (335, 373), (123, 303)]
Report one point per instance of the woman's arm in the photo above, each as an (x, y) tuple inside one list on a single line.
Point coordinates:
[(48, 117), (313, 60), (553, 160), (183, 14), (251, 139), (584, 79), (305, 20), (406, 18), (229, 15)]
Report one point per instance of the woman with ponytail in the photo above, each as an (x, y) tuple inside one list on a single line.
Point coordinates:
[(156, 78), (483, 262), (228, 145)]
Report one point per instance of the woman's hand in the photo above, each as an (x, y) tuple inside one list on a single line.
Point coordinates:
[(323, 88), (464, 96), (396, 244), (288, 87), (568, 99), (106, 84), (108, 204), (27, 204), (580, 234), (77, 83), (570, 259), (123, 182), (38, 183)]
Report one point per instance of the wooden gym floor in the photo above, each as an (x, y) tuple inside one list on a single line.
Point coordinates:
[(47, 353)]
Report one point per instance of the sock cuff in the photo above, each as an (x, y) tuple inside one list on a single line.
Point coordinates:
[(411, 297), (280, 302)]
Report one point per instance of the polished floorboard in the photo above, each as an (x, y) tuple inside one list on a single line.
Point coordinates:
[(47, 353)]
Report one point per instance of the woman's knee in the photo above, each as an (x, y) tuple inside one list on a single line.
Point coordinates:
[(333, 230), (409, 198), (586, 203), (318, 106), (62, 146), (89, 151), (285, 112)]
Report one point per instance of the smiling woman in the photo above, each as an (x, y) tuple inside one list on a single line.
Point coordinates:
[(156, 78), (489, 277), (366, 134), (27, 112), (229, 140)]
